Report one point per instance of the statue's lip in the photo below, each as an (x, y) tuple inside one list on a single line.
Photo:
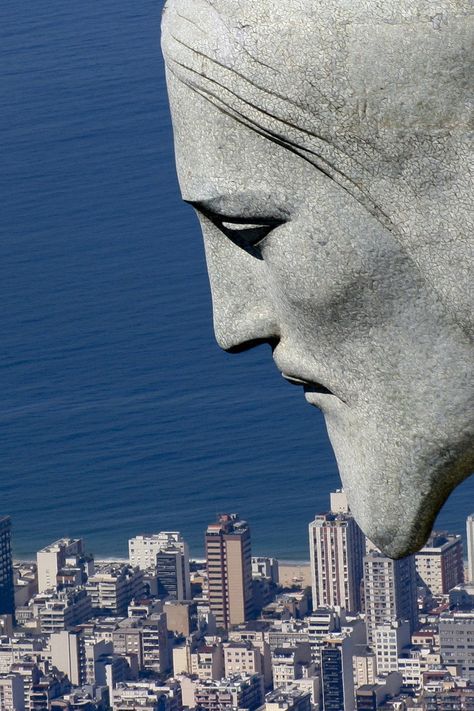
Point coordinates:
[(294, 380), (309, 386)]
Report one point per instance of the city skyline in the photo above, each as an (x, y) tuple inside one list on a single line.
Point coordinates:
[(103, 390), (256, 548), (241, 626)]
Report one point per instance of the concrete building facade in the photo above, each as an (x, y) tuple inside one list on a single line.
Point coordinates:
[(113, 587), (168, 552), (242, 658), (389, 640), (207, 662), (155, 650), (470, 547), (65, 609), (51, 559), (238, 692), (439, 564), (337, 547), (390, 592), (12, 693), (290, 663), (364, 665), (456, 635), (255, 633), (229, 570), (320, 624)]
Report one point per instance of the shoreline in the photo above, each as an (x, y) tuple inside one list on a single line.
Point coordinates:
[(122, 559)]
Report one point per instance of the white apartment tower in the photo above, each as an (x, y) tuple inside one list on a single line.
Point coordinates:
[(51, 559), (337, 547), (168, 552), (389, 640), (470, 547), (390, 592)]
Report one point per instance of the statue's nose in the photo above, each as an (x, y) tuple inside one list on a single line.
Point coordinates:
[(244, 310), (243, 317)]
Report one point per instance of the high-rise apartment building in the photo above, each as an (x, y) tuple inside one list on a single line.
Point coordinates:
[(242, 657), (337, 674), (113, 587), (172, 574), (77, 654), (470, 547), (337, 547), (65, 609), (456, 637), (53, 558), (12, 693), (67, 654), (389, 640), (229, 570), (7, 593), (320, 624), (155, 649), (439, 563), (390, 591), (256, 634), (143, 549), (364, 664), (168, 552)]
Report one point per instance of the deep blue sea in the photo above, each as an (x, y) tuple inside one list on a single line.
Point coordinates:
[(118, 412)]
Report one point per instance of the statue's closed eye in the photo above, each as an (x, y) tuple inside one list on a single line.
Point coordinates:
[(246, 232)]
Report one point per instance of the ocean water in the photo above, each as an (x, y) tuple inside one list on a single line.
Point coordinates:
[(118, 412)]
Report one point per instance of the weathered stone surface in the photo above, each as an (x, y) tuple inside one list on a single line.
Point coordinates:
[(326, 148)]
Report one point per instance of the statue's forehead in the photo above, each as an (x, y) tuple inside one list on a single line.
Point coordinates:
[(335, 10), (377, 62), (314, 17)]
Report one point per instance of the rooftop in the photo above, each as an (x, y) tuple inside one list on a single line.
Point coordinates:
[(439, 542), (281, 695)]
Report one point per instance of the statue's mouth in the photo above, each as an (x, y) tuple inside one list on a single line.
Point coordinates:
[(309, 387)]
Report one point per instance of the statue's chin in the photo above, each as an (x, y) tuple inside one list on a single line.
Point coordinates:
[(396, 480)]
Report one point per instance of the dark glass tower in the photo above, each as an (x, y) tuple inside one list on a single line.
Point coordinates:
[(170, 572), (7, 593), (333, 690), (337, 674)]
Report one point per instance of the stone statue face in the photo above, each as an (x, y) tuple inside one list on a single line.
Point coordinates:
[(325, 147)]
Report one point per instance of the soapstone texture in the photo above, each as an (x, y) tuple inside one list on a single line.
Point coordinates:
[(326, 147)]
